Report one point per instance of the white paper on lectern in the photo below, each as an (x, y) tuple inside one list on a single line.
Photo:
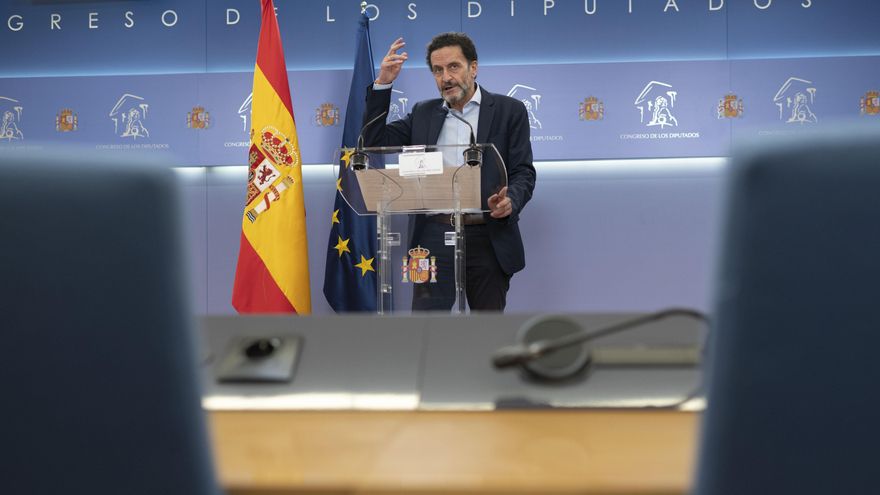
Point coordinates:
[(420, 164)]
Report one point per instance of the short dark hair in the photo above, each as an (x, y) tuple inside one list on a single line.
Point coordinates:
[(460, 40)]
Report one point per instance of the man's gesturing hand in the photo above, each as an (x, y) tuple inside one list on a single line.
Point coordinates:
[(392, 63), (500, 205)]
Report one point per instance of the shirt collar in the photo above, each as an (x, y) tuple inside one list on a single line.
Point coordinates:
[(476, 99)]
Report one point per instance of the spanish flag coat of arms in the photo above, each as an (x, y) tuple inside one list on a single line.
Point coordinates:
[(272, 275)]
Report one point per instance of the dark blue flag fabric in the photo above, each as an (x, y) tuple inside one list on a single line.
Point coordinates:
[(350, 275)]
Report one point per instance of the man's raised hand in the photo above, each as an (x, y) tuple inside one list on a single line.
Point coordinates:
[(392, 62)]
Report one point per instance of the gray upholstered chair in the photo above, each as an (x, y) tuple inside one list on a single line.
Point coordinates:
[(100, 392), (794, 378)]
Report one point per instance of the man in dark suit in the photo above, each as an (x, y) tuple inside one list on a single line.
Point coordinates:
[(494, 250)]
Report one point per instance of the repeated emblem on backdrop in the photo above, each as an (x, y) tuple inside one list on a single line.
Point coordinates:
[(730, 107), (794, 99), (11, 110), (269, 167), (66, 120), (870, 103), (530, 97), (198, 118), (244, 112), (656, 103), (418, 268), (591, 109), (128, 116), (327, 115), (397, 108)]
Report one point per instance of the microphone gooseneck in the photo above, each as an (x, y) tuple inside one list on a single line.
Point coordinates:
[(524, 353), (359, 159), (473, 156)]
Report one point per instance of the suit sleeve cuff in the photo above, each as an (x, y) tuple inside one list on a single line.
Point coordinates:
[(380, 87)]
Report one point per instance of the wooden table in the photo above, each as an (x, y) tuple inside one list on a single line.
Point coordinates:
[(500, 452)]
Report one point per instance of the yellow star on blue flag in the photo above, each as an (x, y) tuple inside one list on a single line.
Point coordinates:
[(342, 246), (346, 156), (366, 265)]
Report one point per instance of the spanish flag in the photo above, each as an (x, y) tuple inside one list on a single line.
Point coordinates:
[(272, 275)]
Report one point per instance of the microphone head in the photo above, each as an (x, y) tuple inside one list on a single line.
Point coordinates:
[(359, 160), (510, 355), (473, 156)]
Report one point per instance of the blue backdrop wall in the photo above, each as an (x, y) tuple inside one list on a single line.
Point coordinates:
[(602, 78)]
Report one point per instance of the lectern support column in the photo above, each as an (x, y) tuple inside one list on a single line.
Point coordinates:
[(459, 259), (383, 246)]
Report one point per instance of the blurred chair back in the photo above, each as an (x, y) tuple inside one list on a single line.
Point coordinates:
[(100, 389), (793, 401)]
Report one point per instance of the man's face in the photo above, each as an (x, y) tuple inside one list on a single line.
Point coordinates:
[(454, 75)]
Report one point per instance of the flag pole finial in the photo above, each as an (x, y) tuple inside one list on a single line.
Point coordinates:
[(363, 7)]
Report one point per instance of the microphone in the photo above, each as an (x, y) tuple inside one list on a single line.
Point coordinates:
[(555, 339), (473, 156), (359, 159), (513, 355)]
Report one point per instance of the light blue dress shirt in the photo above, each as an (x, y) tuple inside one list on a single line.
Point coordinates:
[(454, 131)]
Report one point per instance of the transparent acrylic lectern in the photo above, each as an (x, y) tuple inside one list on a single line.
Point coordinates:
[(424, 184)]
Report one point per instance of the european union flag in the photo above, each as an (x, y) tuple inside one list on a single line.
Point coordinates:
[(350, 275)]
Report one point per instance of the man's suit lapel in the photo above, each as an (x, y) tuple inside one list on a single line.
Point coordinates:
[(488, 173), (438, 115), (487, 113)]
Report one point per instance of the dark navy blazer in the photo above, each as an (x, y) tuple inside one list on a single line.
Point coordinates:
[(504, 123)]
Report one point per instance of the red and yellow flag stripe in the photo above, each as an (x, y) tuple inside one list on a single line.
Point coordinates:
[(272, 275)]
